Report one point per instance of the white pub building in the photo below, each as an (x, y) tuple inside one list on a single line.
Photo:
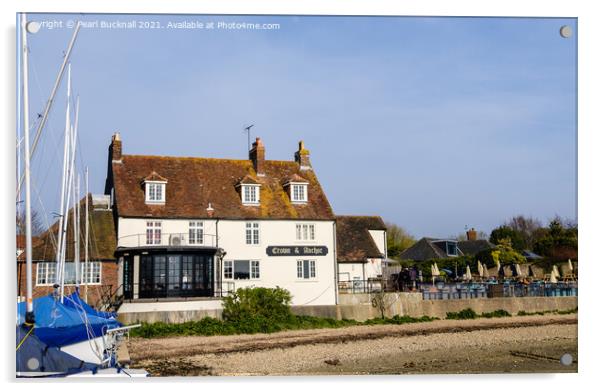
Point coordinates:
[(192, 229)]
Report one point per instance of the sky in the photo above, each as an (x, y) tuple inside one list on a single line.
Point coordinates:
[(435, 124)]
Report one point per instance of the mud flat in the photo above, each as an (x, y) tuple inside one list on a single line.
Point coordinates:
[(503, 345)]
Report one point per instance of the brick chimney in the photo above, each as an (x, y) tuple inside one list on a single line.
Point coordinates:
[(257, 156), (302, 157), (115, 148), (472, 234)]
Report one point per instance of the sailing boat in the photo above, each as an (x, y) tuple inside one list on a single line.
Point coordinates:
[(59, 335)]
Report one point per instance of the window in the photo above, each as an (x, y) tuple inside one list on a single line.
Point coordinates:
[(195, 232), (46, 273), (299, 192), (252, 233), (452, 248), (254, 269), (92, 275), (228, 270), (250, 194), (153, 232), (241, 270), (155, 192), (306, 269), (305, 231)]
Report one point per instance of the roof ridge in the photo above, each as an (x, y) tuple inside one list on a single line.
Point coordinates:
[(205, 158)]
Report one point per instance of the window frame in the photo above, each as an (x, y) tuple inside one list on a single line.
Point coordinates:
[(252, 233), (305, 232), (297, 189), (155, 229), (254, 267), (196, 232), (454, 245), (311, 270), (250, 194), (47, 266), (151, 188)]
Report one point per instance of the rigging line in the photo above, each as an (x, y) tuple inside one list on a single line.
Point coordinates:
[(44, 212)]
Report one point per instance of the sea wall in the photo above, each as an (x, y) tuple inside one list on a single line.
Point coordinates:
[(351, 306)]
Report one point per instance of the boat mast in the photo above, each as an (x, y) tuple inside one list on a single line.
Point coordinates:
[(76, 211), (29, 316), (62, 216), (50, 101), (86, 265)]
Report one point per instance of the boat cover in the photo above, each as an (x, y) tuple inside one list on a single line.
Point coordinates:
[(35, 358), (60, 324)]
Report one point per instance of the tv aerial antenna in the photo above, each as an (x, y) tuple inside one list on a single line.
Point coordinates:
[(248, 130)]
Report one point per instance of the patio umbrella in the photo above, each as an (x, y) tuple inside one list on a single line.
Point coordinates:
[(468, 275), (553, 277), (519, 272), (486, 271), (480, 268), (437, 272), (555, 271), (570, 265), (497, 263)]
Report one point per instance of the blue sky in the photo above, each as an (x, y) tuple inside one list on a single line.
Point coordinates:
[(432, 123)]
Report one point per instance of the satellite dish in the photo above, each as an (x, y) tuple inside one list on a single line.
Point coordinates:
[(32, 27), (566, 31)]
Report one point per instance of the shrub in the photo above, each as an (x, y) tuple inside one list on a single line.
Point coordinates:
[(467, 313), (496, 314), (258, 307)]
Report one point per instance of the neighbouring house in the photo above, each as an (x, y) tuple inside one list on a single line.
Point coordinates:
[(431, 248), (194, 229), (361, 247), (99, 281)]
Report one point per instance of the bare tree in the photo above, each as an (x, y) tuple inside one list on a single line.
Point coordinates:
[(36, 223), (527, 227)]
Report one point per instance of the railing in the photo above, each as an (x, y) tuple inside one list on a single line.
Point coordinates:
[(463, 290), (174, 291), (363, 286), (443, 291), (167, 239)]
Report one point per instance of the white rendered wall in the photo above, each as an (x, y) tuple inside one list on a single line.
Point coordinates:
[(274, 270), (380, 238), (282, 270), (351, 271)]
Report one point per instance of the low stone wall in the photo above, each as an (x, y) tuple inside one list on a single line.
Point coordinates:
[(351, 306), (359, 306)]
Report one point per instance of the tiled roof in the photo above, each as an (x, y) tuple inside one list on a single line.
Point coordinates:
[(422, 250), (155, 177), (431, 248), (102, 240), (473, 247), (354, 242), (248, 180), (296, 178), (193, 183)]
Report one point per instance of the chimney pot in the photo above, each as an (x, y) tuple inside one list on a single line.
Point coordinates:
[(115, 147), (471, 234), (257, 156), (302, 157)]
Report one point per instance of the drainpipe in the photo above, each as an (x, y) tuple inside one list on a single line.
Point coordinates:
[(334, 253)]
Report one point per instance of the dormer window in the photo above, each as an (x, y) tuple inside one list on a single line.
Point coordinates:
[(249, 190), (250, 194), (297, 189), (452, 249), (154, 189)]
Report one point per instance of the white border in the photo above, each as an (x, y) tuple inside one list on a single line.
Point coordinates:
[(589, 162)]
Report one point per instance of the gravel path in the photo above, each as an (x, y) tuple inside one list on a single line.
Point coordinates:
[(533, 343)]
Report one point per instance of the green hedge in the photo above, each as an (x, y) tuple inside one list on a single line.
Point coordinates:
[(211, 326)]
